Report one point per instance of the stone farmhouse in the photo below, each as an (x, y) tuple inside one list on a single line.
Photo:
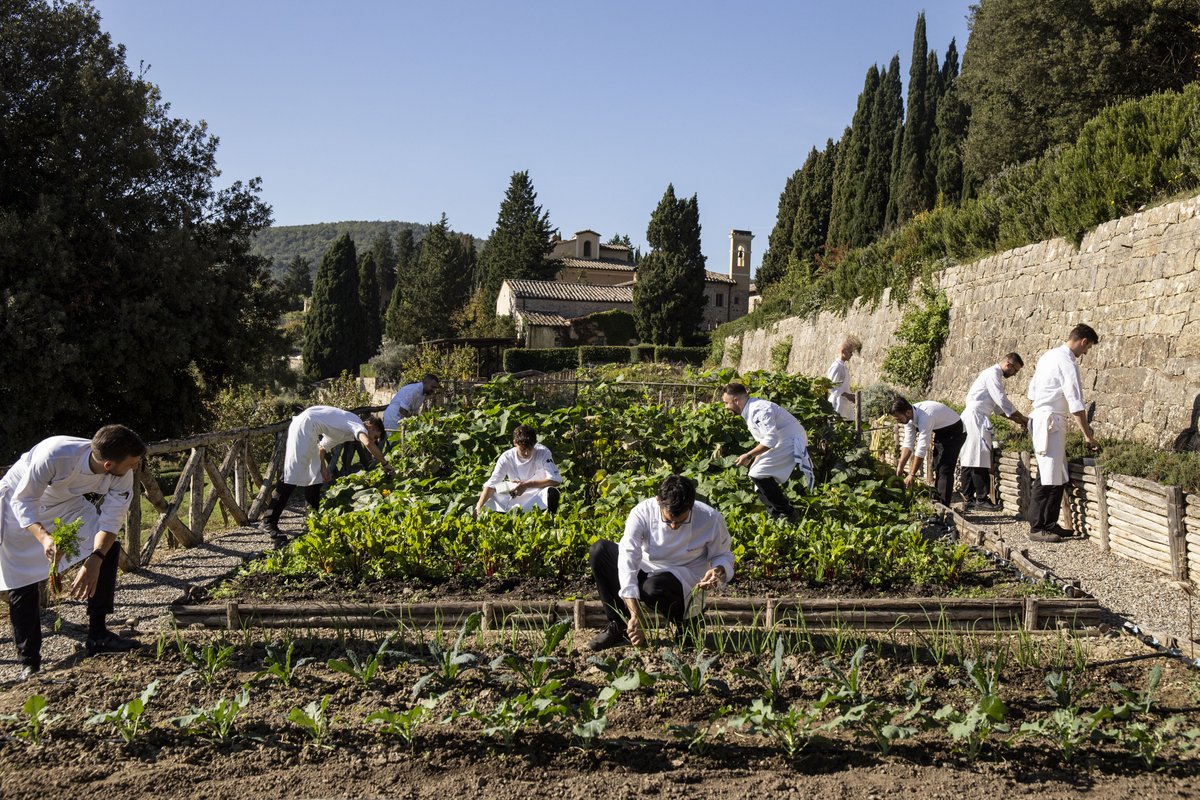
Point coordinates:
[(593, 277)]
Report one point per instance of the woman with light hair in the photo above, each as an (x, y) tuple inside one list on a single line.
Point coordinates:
[(840, 396)]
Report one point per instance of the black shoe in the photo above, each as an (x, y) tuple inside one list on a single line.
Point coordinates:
[(983, 505), (28, 671), (613, 635), (109, 642), (1045, 537), (1063, 532)]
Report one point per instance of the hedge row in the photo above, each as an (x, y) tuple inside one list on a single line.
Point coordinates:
[(518, 359)]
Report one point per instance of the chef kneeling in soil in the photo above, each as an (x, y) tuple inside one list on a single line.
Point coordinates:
[(525, 477), (46, 488), (673, 549)]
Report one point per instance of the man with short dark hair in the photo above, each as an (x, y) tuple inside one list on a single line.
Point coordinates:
[(525, 477), (921, 421), (673, 545), (985, 397), (47, 487), (781, 445), (408, 400), (312, 434), (1057, 395)]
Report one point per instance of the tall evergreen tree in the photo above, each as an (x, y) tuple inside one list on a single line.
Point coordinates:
[(912, 192), (811, 227), (844, 227), (779, 244), (886, 115), (437, 289), (333, 326), (385, 268), (368, 300), (297, 280), (950, 129), (519, 244), (668, 297), (406, 251)]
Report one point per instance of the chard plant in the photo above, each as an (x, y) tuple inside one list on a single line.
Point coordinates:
[(33, 720), (282, 667), (314, 720), (791, 730), (403, 724), (362, 671), (216, 722), (128, 718), (694, 677)]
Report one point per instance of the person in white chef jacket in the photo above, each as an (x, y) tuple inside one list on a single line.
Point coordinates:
[(923, 421), (525, 477), (781, 445), (408, 400), (840, 396), (985, 397), (1057, 395), (673, 549), (49, 483), (312, 434)]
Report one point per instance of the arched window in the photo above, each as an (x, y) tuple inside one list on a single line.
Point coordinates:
[(741, 256), (587, 249)]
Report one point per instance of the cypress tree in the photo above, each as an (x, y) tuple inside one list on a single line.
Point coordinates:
[(385, 268), (668, 297), (844, 227), (437, 288), (333, 326), (888, 112), (405, 261), (779, 244), (519, 244), (950, 131), (368, 299), (934, 89), (811, 226), (910, 188)]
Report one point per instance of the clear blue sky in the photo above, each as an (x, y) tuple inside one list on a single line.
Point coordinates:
[(404, 110)]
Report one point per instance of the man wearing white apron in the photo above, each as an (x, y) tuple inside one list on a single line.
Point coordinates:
[(311, 435), (840, 396), (921, 421), (985, 398), (1057, 395), (45, 488), (407, 401), (782, 445), (525, 477), (673, 549)]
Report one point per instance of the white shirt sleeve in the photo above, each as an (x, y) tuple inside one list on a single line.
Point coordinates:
[(721, 547), (500, 471), (27, 495), (766, 428), (1072, 390), (116, 503), (995, 388), (629, 551)]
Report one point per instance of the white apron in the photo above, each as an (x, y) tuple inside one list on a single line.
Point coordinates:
[(527, 500), (779, 461), (1048, 428), (302, 458), (977, 447)]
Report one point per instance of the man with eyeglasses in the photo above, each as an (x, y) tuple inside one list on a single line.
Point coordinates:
[(673, 548)]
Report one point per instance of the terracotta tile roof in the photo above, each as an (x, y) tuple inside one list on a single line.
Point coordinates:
[(595, 263), (718, 277), (557, 290), (540, 318)]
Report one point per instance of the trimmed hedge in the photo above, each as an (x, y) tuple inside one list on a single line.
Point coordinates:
[(642, 353), (681, 355), (518, 359), (595, 354)]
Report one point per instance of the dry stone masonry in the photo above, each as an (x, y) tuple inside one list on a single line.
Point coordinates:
[(1136, 280)]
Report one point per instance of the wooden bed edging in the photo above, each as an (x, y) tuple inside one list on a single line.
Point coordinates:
[(881, 614)]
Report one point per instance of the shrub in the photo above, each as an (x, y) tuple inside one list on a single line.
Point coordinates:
[(617, 326), (921, 334), (681, 355), (877, 400), (594, 354), (641, 353), (781, 353), (518, 359)]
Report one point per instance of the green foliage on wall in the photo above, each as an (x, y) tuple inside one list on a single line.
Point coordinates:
[(781, 353), (519, 359), (921, 334)]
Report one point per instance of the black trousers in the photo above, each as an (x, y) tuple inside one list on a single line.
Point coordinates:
[(773, 497), (661, 591), (1045, 503), (947, 442), (283, 493), (24, 609), (976, 483)]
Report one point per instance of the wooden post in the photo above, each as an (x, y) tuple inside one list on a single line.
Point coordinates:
[(858, 411), (1176, 535), (196, 509), (1031, 613), (1024, 487), (1065, 513), (239, 471), (132, 552), (1102, 509)]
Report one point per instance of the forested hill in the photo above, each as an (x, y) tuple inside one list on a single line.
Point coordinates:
[(282, 243)]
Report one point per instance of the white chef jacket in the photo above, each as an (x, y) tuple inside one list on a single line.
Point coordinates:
[(1057, 392), (50, 482), (310, 430), (839, 373), (510, 467), (649, 545), (775, 427), (410, 397), (985, 397), (928, 416)]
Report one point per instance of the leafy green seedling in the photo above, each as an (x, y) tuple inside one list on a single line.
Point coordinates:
[(403, 724), (127, 718), (693, 677), (33, 719), (215, 723), (314, 720), (282, 667), (362, 671)]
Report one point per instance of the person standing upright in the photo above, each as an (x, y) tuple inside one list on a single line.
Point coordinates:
[(922, 420), (840, 396), (985, 397), (781, 446), (1057, 395)]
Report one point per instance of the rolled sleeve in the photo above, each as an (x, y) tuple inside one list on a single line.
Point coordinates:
[(922, 436), (908, 436)]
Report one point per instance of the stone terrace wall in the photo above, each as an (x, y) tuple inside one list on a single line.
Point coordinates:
[(1136, 280)]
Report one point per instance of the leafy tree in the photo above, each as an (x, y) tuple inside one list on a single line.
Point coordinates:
[(128, 290), (333, 328), (438, 286), (668, 297), (1035, 72), (844, 227), (520, 242), (635, 253), (368, 301), (297, 281)]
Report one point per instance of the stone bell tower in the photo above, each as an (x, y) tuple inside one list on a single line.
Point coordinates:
[(739, 270)]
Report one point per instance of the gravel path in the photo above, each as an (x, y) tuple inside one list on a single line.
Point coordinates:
[(1128, 590), (142, 597)]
